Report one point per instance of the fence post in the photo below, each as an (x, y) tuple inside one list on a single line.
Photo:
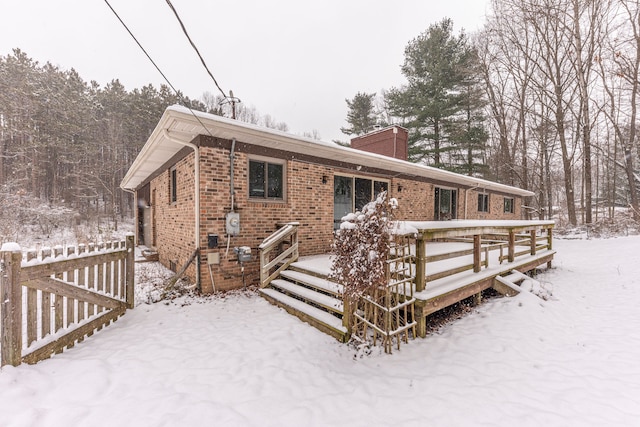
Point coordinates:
[(11, 294), (130, 272), (549, 242)]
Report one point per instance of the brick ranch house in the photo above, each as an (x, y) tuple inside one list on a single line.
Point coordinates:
[(207, 182)]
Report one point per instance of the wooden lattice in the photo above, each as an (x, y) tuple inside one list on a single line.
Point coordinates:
[(386, 313)]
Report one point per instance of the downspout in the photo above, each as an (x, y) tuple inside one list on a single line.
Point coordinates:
[(232, 157), (196, 152), (466, 198)]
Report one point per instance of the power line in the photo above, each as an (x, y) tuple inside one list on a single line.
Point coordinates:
[(158, 68), (184, 30), (143, 49)]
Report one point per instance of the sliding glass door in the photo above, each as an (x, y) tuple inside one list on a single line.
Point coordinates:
[(445, 204), (352, 193)]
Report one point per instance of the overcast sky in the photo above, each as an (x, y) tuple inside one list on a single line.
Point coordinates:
[(295, 60)]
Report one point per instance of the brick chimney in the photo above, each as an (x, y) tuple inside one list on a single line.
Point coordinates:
[(390, 141)]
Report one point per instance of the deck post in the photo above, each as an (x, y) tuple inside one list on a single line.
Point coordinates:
[(533, 242), (421, 319), (263, 273), (549, 243), (346, 314), (476, 253), (130, 272), (512, 246), (421, 263), (11, 320), (477, 299)]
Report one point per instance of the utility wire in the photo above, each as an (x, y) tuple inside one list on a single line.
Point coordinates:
[(158, 68), (175, 12), (143, 49)]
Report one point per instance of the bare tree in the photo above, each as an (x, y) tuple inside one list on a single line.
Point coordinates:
[(535, 43), (620, 71), (587, 13)]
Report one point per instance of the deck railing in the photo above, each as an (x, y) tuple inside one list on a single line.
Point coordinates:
[(500, 236), (274, 257), (56, 298)]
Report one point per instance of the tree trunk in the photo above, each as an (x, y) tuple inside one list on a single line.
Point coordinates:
[(581, 70), (566, 161), (436, 142)]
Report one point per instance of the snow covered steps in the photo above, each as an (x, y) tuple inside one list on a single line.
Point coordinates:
[(508, 284), (319, 284), (516, 282), (312, 299)]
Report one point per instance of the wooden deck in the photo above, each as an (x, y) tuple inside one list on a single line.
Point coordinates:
[(448, 272), (450, 262), (449, 290)]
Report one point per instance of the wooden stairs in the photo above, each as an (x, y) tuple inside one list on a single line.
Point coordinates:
[(310, 297), (511, 284)]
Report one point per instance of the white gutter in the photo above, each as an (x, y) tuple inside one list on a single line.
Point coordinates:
[(196, 153), (181, 120)]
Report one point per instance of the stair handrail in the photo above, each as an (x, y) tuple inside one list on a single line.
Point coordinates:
[(288, 232)]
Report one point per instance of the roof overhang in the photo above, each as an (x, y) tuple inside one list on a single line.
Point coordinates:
[(180, 125)]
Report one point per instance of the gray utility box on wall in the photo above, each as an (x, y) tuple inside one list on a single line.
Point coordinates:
[(233, 223), (244, 253)]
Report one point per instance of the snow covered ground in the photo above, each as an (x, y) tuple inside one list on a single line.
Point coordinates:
[(236, 360)]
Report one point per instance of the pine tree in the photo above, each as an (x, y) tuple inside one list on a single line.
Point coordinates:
[(470, 136), (361, 115), (435, 103)]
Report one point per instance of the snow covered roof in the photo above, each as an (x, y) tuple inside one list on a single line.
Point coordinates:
[(179, 126)]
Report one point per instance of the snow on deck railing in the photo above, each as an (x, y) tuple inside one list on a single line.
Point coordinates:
[(512, 234), (270, 259), (279, 234)]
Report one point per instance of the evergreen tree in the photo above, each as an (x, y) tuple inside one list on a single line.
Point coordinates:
[(470, 136), (437, 103), (67, 142), (361, 115)]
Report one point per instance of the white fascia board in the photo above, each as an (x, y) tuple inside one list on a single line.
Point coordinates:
[(181, 120), (156, 152)]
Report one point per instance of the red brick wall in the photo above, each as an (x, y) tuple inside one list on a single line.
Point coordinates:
[(416, 202), (496, 207), (175, 222), (415, 199), (384, 142), (308, 201)]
